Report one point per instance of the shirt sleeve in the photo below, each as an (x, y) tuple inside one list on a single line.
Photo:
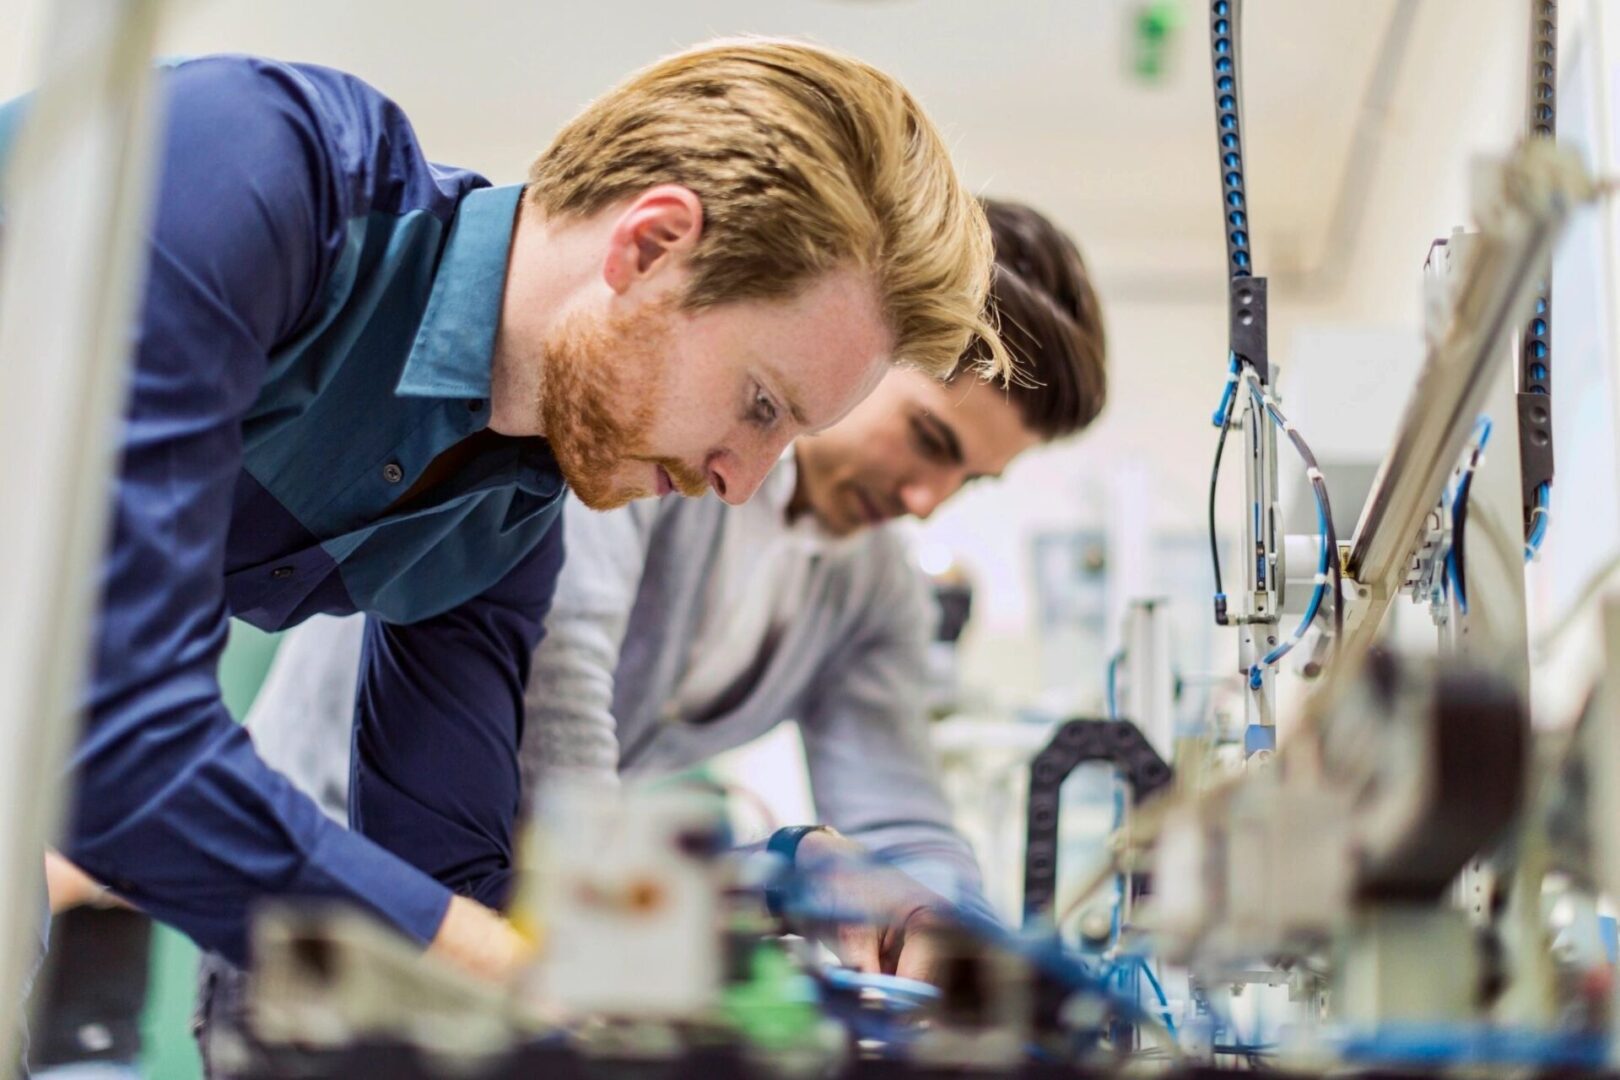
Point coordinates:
[(439, 719), (872, 771), (571, 727), (172, 807)]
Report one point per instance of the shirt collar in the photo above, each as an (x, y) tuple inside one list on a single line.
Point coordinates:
[(455, 344), (776, 492)]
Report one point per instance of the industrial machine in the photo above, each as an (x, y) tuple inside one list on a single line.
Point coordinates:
[(1408, 881), (1395, 876), (1399, 877)]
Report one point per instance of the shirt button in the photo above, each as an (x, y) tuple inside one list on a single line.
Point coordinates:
[(282, 573), (393, 473)]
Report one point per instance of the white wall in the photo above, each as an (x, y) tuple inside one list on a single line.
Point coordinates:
[(1460, 95), (1034, 95)]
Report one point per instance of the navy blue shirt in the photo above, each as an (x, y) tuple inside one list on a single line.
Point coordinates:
[(317, 327)]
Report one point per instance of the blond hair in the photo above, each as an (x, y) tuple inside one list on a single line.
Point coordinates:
[(805, 160)]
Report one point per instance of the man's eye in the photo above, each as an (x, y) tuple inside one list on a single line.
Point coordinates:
[(765, 412), (927, 441)]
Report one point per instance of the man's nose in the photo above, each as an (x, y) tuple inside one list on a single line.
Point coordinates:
[(922, 495), (736, 474)]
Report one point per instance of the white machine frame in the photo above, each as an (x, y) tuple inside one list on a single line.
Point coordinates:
[(76, 210)]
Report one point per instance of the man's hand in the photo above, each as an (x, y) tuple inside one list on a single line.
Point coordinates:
[(476, 939), (906, 926), (70, 887)]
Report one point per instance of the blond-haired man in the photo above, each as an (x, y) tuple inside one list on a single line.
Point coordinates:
[(682, 629), (362, 382)]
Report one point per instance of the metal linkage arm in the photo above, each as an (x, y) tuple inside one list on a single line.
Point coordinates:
[(1530, 200)]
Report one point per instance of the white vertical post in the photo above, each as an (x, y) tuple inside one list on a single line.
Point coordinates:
[(76, 208), (1261, 601), (1602, 746), (1151, 688)]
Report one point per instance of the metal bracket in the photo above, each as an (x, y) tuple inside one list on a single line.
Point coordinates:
[(1535, 447), (1246, 324)]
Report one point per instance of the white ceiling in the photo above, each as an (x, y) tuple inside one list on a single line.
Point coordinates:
[(1035, 95), (1036, 98)]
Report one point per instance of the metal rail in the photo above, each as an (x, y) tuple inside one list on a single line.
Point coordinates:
[(1534, 399), (1246, 294)]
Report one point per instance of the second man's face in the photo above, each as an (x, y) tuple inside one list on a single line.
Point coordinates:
[(906, 449)]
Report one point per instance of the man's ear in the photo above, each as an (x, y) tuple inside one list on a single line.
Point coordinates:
[(653, 233)]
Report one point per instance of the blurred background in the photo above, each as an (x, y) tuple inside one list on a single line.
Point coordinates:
[(1362, 117)]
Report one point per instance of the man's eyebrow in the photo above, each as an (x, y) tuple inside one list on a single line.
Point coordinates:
[(946, 434)]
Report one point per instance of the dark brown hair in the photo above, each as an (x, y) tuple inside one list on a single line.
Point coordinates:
[(1050, 321)]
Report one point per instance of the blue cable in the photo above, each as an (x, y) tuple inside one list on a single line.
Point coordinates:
[(1222, 416), (1045, 953), (1453, 579), (1158, 991), (1459, 507), (902, 991), (1541, 513), (1113, 671), (1223, 420), (1257, 672), (1456, 1044), (1116, 924)]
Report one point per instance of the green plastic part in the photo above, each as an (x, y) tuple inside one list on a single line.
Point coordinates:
[(775, 1009)]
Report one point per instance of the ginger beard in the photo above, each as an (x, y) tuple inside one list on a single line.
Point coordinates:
[(598, 403)]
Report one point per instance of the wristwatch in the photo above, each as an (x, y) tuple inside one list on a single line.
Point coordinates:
[(785, 842)]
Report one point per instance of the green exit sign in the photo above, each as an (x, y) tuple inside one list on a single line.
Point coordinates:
[(1153, 30)]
